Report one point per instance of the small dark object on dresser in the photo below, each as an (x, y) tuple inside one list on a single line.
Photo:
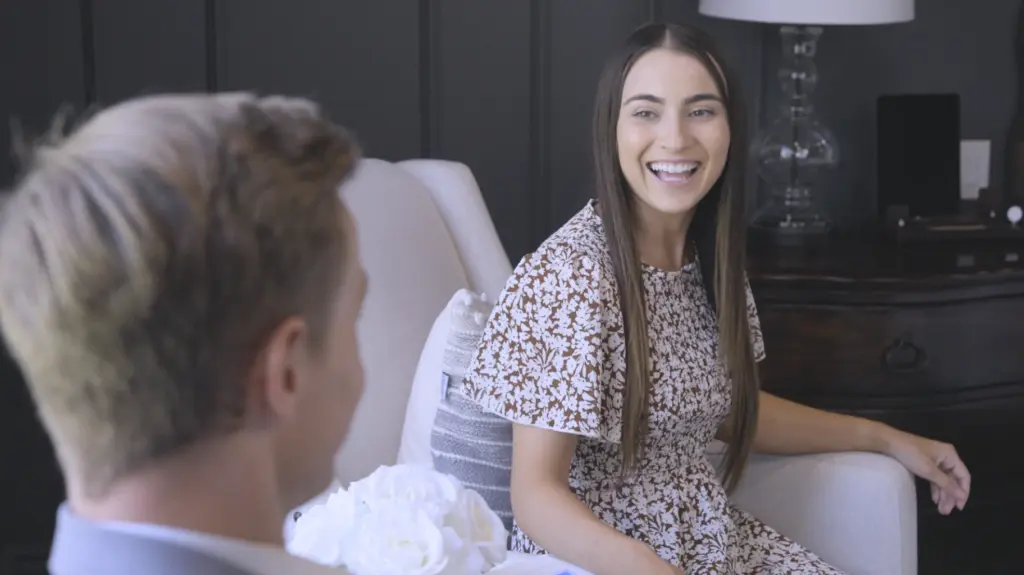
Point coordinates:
[(918, 153), (953, 229), (987, 219)]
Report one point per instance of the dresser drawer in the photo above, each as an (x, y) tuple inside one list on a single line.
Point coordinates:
[(816, 350)]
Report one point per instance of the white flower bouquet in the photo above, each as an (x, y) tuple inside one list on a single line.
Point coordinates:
[(402, 520)]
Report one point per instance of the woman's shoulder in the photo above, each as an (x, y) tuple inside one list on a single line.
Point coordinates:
[(540, 356), (576, 249)]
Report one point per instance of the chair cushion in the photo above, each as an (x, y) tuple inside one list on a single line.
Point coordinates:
[(465, 441)]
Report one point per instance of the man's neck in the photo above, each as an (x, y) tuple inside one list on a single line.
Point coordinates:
[(224, 488)]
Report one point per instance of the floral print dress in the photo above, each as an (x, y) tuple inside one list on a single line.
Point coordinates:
[(552, 356)]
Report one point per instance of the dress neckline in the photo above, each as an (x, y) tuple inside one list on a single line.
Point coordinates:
[(687, 267)]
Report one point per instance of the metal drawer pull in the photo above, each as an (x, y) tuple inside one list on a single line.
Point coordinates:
[(902, 356)]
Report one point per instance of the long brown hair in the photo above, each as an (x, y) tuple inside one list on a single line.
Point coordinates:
[(718, 230)]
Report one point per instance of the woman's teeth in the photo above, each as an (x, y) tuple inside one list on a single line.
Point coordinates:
[(674, 172)]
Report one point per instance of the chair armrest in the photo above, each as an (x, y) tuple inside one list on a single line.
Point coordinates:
[(857, 511)]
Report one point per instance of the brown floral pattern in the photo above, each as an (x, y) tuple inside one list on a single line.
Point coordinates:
[(552, 356)]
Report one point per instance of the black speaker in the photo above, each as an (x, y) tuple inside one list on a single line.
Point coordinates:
[(919, 154)]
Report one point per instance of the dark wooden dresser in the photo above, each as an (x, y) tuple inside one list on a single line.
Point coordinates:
[(927, 338)]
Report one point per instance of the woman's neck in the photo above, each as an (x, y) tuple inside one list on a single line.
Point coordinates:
[(661, 238)]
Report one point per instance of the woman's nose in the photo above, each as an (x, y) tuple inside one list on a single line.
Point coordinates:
[(674, 135)]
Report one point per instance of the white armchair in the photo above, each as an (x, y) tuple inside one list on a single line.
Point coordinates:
[(425, 233)]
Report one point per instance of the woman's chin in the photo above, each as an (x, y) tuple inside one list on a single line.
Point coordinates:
[(675, 201)]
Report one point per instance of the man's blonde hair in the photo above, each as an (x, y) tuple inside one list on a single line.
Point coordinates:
[(145, 257)]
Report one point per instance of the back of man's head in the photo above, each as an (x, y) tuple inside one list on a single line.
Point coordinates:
[(146, 257)]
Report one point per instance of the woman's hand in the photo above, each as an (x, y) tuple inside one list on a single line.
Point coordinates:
[(935, 462)]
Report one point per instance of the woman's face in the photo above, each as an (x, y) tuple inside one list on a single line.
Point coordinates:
[(672, 131)]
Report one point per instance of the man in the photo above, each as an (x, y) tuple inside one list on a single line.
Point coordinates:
[(180, 283)]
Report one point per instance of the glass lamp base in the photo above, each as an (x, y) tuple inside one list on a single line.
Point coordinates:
[(791, 224), (792, 211), (794, 149)]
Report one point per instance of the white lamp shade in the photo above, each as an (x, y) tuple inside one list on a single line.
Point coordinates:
[(811, 12)]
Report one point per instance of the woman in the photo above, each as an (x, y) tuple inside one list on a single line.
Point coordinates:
[(612, 346)]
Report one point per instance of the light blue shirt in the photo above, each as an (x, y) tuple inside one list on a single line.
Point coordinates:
[(83, 547)]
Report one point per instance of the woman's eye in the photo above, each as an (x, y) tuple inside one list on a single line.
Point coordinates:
[(702, 112), (644, 114)]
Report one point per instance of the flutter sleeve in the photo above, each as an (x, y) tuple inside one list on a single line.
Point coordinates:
[(756, 337), (541, 354)]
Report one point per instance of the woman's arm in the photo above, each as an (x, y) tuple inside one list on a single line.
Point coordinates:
[(550, 513), (786, 427)]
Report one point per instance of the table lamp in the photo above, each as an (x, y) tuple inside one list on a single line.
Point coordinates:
[(795, 148)]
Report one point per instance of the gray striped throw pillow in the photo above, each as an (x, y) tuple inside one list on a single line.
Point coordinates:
[(465, 441)]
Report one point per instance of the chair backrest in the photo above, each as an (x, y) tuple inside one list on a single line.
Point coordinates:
[(424, 233)]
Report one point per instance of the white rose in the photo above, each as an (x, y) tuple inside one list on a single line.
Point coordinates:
[(319, 534), (464, 558), (478, 525), (436, 493), (396, 538)]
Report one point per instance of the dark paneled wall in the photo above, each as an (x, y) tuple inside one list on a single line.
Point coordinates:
[(503, 86)]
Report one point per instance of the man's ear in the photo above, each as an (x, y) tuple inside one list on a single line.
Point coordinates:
[(281, 369)]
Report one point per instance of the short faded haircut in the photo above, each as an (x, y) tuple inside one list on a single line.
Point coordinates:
[(146, 257)]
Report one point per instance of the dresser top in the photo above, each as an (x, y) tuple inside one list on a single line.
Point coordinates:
[(876, 268)]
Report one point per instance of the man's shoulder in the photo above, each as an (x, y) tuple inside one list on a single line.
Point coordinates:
[(83, 547)]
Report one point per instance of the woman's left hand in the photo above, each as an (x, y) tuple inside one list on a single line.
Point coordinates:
[(937, 463)]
